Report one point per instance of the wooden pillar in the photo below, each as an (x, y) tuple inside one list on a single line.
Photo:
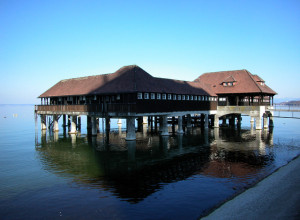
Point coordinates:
[(107, 124), (93, 126), (64, 121), (239, 120), (79, 123), (89, 125), (69, 122), (189, 121), (271, 123)]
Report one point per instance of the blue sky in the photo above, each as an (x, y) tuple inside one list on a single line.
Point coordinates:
[(42, 42)]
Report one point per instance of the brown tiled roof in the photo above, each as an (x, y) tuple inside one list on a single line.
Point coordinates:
[(125, 80), (245, 82), (229, 79)]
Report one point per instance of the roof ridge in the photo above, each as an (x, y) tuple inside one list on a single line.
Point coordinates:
[(82, 77), (225, 71)]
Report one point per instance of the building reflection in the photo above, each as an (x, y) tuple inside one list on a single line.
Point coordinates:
[(133, 170)]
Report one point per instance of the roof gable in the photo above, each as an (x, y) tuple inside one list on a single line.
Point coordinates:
[(245, 82)]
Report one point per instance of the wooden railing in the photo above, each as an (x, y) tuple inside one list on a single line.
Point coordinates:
[(99, 108)]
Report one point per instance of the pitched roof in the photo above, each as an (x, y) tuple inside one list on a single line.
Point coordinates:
[(229, 79), (245, 82), (126, 80)]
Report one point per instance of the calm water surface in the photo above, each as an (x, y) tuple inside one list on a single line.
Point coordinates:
[(49, 176)]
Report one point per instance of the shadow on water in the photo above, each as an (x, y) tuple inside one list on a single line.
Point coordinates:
[(133, 170)]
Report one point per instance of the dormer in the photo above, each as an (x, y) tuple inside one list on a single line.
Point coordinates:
[(259, 80), (229, 81)]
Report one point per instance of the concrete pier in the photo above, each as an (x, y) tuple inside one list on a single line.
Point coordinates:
[(216, 121), (55, 123), (180, 130), (130, 122), (165, 131), (73, 125), (43, 122)]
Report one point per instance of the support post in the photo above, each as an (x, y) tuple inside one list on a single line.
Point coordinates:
[(165, 131), (130, 122), (271, 122), (258, 123), (107, 124), (265, 117), (93, 125), (119, 121), (73, 125), (216, 121), (64, 121), (89, 125), (43, 122), (55, 123), (180, 130), (145, 120), (189, 121), (79, 123), (206, 121), (239, 120), (69, 122)]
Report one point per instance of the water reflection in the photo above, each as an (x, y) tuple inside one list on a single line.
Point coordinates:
[(133, 170)]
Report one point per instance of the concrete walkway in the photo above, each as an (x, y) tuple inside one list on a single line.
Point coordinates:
[(275, 197)]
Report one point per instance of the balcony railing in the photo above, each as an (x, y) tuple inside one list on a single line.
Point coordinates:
[(100, 108)]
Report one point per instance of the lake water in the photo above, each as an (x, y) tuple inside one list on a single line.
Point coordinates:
[(49, 176)]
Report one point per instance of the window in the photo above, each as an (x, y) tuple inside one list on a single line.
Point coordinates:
[(113, 98), (164, 96), (206, 98), (179, 97), (158, 96), (199, 97), (95, 97), (118, 97), (174, 97), (195, 98), (187, 97), (183, 97), (169, 97), (224, 84), (139, 95), (146, 95), (192, 97), (152, 96), (230, 84)]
